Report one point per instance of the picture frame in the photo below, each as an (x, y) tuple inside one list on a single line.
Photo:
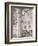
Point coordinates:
[(20, 22)]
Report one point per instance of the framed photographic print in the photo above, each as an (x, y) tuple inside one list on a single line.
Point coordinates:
[(20, 22)]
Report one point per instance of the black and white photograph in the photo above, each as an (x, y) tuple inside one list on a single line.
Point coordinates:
[(21, 22)]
